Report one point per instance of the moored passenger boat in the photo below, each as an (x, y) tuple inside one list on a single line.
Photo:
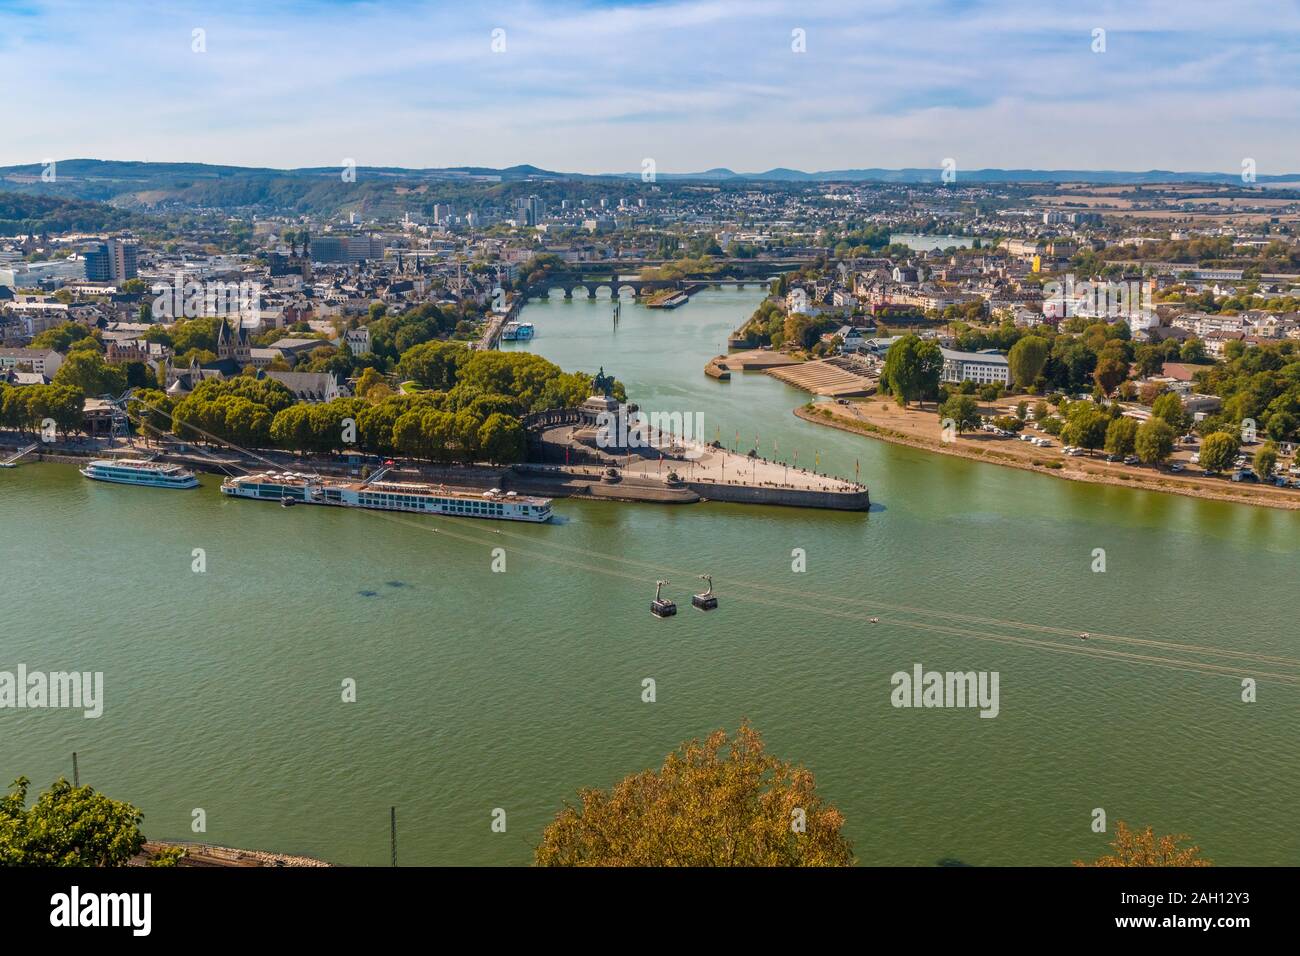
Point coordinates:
[(517, 331), (419, 497), (131, 471)]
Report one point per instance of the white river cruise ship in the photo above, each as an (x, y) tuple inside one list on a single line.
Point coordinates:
[(132, 471), (295, 488)]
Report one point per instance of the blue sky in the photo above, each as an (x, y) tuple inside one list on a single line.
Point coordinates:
[(692, 84)]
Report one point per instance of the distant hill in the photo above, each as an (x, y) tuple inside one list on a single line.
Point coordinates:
[(23, 214), (143, 186), (922, 176), (389, 191)]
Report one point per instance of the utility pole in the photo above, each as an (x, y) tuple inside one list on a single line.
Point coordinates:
[(392, 833)]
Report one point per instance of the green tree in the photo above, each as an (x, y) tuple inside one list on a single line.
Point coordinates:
[(1265, 459), (1027, 359), (246, 423), (433, 364), (1149, 360), (1112, 368), (1192, 351), (1120, 435), (14, 410), (466, 430), (724, 802), (1170, 408), (86, 370), (1218, 450), (1282, 425), (1154, 441), (912, 369), (502, 439), (963, 410), (1086, 426), (67, 826), (66, 405), (291, 428), (150, 411), (60, 337), (370, 378)]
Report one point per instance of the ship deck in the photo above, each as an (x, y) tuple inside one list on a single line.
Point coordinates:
[(384, 487)]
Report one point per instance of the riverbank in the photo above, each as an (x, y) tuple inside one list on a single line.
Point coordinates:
[(904, 427), (642, 482), (204, 854)]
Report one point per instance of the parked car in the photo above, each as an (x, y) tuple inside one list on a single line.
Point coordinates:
[(1130, 459), (1244, 474), (1114, 457), (1176, 466), (1196, 458)]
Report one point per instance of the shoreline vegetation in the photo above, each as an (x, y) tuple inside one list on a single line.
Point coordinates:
[(1043, 462)]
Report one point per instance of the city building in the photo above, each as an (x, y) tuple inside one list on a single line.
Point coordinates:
[(982, 368), (347, 249), (40, 361), (113, 260)]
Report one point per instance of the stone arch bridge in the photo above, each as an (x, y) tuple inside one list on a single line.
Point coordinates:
[(573, 284)]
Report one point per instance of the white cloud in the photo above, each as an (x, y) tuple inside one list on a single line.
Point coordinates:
[(594, 87)]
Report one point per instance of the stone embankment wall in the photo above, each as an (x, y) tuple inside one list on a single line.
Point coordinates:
[(792, 497)]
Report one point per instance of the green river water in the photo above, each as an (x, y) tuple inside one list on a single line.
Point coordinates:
[(479, 690)]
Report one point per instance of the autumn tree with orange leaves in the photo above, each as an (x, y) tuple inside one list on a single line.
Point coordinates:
[(1133, 848), (724, 802)]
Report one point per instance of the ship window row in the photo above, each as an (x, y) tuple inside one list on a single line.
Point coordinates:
[(456, 506)]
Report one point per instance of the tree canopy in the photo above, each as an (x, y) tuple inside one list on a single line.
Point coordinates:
[(1027, 359), (913, 367), (723, 802), (68, 826), (1144, 848)]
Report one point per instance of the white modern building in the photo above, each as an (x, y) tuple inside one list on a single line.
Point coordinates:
[(41, 361), (982, 368)]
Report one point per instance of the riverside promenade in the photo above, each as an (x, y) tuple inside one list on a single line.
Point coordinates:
[(711, 472)]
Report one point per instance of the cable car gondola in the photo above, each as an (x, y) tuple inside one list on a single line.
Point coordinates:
[(661, 606), (705, 600)]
